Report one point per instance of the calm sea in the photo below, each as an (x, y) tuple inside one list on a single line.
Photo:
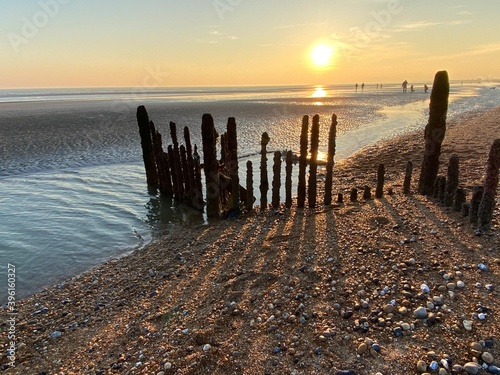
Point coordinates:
[(72, 184)]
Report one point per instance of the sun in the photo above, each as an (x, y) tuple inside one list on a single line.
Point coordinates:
[(322, 55)]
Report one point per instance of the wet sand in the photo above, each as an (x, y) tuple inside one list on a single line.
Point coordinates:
[(290, 292)]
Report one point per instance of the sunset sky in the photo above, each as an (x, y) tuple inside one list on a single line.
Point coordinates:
[(111, 43)]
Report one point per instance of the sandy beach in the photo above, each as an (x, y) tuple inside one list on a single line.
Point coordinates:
[(312, 291)]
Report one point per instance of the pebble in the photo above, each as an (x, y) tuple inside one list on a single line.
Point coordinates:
[(207, 347), (487, 357), (420, 313), (471, 368), (425, 288), (493, 369), (460, 284), (167, 366), (482, 267), (434, 366), (405, 326), (421, 366), (362, 348), (442, 371), (467, 325), (345, 372), (56, 334)]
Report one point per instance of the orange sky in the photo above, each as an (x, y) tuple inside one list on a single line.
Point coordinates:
[(75, 43)]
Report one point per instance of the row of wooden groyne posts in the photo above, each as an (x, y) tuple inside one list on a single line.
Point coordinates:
[(176, 172)]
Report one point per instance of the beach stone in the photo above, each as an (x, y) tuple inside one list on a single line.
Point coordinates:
[(442, 371), (467, 325), (161, 373), (56, 334), (476, 346), (420, 312), (362, 348), (346, 372), (472, 368), (207, 347), (388, 309), (487, 357), (421, 366), (405, 326), (493, 369), (167, 366)]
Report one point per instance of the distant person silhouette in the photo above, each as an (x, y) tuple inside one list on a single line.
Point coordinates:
[(411, 89), (356, 87), (362, 86), (405, 85), (426, 88)]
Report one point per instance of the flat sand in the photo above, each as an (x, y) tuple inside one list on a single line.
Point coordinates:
[(300, 291)]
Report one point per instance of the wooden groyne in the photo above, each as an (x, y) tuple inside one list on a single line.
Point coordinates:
[(177, 172)]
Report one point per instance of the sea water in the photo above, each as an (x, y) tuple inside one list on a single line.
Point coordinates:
[(73, 192)]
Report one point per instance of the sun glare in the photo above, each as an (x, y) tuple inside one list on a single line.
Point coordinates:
[(321, 55)]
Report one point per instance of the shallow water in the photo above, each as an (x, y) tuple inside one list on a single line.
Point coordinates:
[(72, 185)]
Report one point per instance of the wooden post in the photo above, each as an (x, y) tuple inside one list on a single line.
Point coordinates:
[(190, 166), (288, 179), (485, 213), (408, 174), (162, 166), (313, 163), (177, 161), (173, 172), (301, 187), (264, 182), (354, 195), (185, 172), (232, 147), (147, 147), (275, 202), (367, 193), (436, 187), (451, 181), (330, 161), (211, 165), (340, 198), (477, 196), (459, 199), (379, 192), (465, 209), (250, 197), (198, 185), (434, 132)]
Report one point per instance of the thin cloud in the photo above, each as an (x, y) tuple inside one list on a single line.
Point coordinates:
[(299, 25), (416, 26)]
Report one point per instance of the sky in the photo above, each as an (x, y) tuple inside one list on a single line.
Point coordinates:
[(153, 43)]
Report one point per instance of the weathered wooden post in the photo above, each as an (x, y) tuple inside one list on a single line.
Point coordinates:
[(459, 199), (275, 202), (264, 182), (434, 132), (354, 195), (451, 180), (465, 209), (313, 163), (177, 161), (367, 193), (485, 214), (157, 151), (288, 179), (148, 155), (330, 161), (250, 197), (379, 192), (190, 165), (173, 172), (477, 196), (185, 171), (301, 187), (408, 174), (162, 166), (435, 188), (232, 148), (198, 184), (211, 165)]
